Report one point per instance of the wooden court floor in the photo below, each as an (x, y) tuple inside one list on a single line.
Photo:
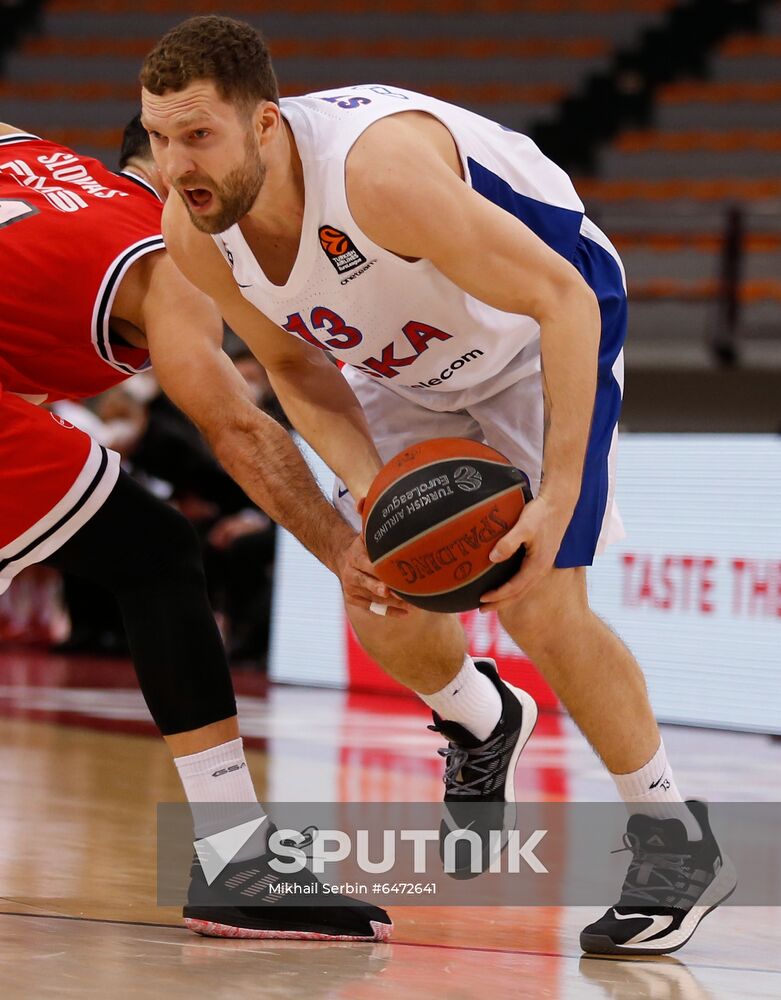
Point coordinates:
[(80, 775)]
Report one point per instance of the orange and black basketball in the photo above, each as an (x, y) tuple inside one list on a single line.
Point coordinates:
[(432, 516)]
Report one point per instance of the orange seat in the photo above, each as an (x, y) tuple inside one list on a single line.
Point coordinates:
[(719, 189), (759, 290)]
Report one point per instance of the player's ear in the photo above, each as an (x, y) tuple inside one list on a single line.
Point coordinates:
[(267, 120)]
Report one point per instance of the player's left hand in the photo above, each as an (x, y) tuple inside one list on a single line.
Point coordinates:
[(360, 586), (540, 528)]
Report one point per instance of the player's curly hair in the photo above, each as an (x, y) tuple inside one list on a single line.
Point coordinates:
[(232, 54)]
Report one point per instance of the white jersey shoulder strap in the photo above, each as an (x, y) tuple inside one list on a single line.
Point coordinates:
[(505, 166)]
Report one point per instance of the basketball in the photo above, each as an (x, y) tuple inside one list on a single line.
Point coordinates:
[(434, 513)]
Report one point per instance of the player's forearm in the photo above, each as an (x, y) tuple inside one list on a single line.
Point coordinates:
[(260, 455), (325, 412), (569, 346)]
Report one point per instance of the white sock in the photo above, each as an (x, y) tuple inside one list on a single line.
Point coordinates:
[(469, 699), (652, 791), (219, 788)]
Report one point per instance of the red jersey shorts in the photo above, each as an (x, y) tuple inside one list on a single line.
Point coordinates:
[(53, 479)]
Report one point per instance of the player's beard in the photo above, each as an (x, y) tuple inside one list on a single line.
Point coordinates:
[(236, 193)]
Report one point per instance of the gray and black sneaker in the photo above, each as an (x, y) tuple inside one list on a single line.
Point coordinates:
[(248, 899), (672, 883), (479, 779)]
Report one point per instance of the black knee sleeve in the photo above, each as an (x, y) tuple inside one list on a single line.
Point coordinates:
[(149, 557)]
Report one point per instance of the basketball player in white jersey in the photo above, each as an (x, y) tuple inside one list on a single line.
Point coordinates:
[(449, 265)]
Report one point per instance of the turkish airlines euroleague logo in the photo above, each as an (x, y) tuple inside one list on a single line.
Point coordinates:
[(340, 249)]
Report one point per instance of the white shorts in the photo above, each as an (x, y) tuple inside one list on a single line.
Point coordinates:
[(512, 422)]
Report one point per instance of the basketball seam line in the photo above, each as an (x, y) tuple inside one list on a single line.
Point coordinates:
[(438, 461), (449, 520)]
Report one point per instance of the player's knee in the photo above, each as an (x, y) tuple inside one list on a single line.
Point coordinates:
[(552, 609), (163, 551), (177, 551), (521, 621)]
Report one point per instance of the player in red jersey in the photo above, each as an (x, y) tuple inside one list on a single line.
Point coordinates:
[(88, 297)]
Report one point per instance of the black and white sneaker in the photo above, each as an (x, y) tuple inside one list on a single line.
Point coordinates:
[(247, 900), (672, 883), (479, 778)]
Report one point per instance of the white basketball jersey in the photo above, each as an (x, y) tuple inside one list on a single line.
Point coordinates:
[(402, 322)]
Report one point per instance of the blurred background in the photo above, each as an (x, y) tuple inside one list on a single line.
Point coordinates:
[(668, 117)]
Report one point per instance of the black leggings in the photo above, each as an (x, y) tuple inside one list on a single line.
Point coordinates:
[(147, 555)]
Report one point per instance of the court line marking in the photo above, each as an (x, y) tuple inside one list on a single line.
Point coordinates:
[(645, 960)]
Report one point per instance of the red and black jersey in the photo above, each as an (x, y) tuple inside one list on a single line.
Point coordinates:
[(69, 231)]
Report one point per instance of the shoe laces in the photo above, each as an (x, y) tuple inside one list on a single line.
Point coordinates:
[(308, 833), (665, 868), (480, 762)]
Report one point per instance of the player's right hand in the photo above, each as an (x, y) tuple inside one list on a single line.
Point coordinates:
[(361, 587)]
